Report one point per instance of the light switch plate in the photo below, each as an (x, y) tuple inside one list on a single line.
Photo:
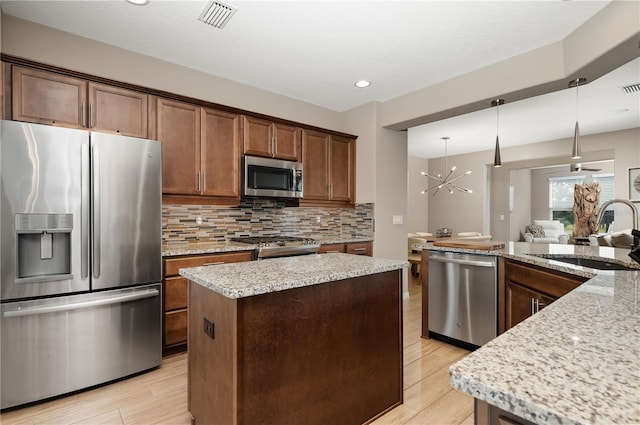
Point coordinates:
[(397, 219)]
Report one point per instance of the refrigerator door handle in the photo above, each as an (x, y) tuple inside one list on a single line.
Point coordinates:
[(150, 293), (95, 177), (84, 211)]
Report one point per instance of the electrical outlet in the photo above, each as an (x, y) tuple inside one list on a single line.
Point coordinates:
[(208, 327)]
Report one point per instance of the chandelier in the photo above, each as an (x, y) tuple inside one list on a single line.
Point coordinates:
[(446, 182)]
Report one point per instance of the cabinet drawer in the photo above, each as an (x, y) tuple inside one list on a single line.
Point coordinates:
[(332, 247), (175, 293), (359, 248), (555, 284), (175, 327), (173, 265)]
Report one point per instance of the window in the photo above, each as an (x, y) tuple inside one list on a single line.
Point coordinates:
[(561, 191)]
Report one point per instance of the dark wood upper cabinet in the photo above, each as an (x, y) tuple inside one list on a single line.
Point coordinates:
[(178, 128), (329, 167), (48, 98), (117, 110), (270, 139), (220, 153), (315, 160)]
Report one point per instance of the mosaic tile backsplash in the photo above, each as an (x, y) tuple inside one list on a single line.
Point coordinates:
[(210, 223)]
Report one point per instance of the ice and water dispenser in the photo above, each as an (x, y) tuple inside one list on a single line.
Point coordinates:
[(44, 247)]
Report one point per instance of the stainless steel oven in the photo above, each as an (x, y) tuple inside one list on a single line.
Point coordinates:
[(267, 177)]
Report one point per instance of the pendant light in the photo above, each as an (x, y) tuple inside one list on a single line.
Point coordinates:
[(576, 151), (497, 162), (446, 181)]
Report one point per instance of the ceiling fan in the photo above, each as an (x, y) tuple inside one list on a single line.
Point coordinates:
[(577, 167)]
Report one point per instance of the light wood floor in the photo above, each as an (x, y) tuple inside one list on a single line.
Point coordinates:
[(160, 396)]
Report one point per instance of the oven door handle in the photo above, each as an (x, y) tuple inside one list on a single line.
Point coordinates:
[(461, 262)]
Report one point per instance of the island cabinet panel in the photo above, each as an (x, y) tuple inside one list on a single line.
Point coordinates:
[(175, 294), (320, 354), (528, 289), (270, 139)]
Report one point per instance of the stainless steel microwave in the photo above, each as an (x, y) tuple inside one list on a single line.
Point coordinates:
[(271, 178)]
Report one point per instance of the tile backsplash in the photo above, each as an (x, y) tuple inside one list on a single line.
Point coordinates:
[(208, 223)]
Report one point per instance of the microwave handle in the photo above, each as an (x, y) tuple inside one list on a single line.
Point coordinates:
[(297, 180)]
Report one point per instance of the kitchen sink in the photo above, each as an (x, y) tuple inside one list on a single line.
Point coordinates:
[(590, 263)]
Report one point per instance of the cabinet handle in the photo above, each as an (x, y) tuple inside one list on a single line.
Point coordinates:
[(533, 306), (90, 115), (273, 146), (214, 263), (541, 305), (198, 181), (204, 182), (333, 251), (359, 249), (83, 117)]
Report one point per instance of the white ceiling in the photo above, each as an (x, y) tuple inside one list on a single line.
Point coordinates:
[(314, 51)]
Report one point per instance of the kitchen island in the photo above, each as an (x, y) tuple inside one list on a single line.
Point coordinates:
[(309, 339), (576, 361)]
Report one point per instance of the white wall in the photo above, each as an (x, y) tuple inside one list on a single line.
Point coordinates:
[(417, 203), (520, 216)]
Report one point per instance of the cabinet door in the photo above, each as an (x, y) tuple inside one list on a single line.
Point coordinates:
[(257, 136), (178, 128), (315, 159), (116, 110), (220, 151), (48, 98), (286, 142), (522, 302), (342, 163)]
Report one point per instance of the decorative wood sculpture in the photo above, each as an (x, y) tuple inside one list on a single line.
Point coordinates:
[(586, 198)]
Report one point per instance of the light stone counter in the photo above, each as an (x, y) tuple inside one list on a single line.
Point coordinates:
[(192, 248), (577, 361), (238, 280)]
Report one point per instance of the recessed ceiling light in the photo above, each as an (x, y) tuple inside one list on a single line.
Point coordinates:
[(139, 2), (362, 84), (619, 111)]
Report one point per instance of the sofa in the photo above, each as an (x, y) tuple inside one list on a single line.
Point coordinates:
[(546, 231)]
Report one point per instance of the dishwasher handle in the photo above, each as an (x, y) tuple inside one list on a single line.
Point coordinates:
[(475, 263)]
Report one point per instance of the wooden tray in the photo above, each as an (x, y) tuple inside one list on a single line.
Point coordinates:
[(470, 244)]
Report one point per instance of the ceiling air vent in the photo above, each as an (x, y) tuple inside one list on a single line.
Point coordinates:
[(631, 88), (217, 14)]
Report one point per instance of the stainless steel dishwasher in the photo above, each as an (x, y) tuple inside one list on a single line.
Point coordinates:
[(463, 298)]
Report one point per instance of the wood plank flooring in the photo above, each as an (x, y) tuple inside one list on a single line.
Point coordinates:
[(160, 396)]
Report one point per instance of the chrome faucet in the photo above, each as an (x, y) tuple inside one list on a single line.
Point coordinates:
[(634, 217), (634, 211)]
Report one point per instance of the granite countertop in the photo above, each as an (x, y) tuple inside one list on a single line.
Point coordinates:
[(577, 361), (238, 280), (192, 248)]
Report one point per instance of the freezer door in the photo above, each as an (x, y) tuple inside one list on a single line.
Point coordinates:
[(44, 186), (57, 345), (127, 211)]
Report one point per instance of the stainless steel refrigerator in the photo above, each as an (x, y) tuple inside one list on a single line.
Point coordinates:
[(80, 231)]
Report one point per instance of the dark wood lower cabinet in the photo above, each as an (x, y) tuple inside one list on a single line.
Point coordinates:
[(175, 294), (528, 289), (322, 354), (486, 414)]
